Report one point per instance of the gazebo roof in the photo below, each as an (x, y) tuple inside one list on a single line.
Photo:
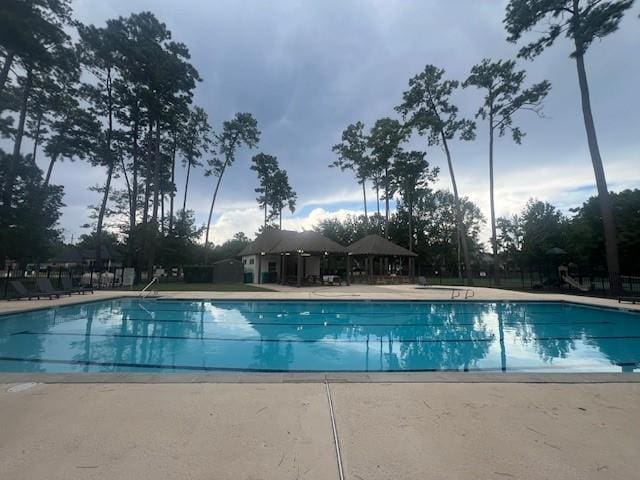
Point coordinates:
[(376, 245), (286, 241), (266, 241), (308, 241)]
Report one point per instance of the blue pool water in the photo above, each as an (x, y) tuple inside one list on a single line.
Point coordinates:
[(132, 335)]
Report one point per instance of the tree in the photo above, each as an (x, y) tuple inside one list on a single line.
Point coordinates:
[(242, 129), (582, 21), (40, 51), (193, 141), (29, 30), (265, 166), (98, 47), (353, 155), (427, 108), (30, 228), (179, 246), (384, 141), (586, 240), (504, 96), (543, 227), (409, 174), (282, 195)]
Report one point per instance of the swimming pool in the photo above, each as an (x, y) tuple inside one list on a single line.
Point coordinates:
[(133, 335)]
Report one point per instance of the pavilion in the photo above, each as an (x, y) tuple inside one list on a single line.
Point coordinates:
[(382, 261), (284, 256)]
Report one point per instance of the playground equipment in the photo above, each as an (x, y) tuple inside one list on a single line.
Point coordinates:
[(563, 273)]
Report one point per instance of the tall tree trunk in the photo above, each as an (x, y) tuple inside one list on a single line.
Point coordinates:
[(186, 187), (386, 201), (162, 217), (608, 222), (173, 184), (462, 234), (378, 197), (110, 168), (12, 161), (213, 202), (36, 138), (280, 219), (364, 196), (133, 203), (494, 239), (52, 162), (156, 174), (147, 178), (410, 224), (156, 197), (4, 73)]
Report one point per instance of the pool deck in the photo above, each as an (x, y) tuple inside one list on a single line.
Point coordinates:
[(429, 425)]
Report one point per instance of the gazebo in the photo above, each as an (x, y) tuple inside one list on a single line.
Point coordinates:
[(383, 260)]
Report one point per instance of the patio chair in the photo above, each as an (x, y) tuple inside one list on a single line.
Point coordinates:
[(422, 281), (22, 291), (632, 300), (67, 284), (45, 286)]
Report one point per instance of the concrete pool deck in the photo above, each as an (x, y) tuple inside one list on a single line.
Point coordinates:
[(256, 431), (429, 425), (353, 292)]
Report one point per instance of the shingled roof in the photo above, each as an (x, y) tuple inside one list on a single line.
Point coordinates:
[(308, 241), (376, 245), (266, 241), (286, 241)]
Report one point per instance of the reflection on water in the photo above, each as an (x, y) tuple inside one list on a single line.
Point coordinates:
[(148, 335)]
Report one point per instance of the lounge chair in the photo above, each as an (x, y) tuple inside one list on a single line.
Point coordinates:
[(44, 285), (22, 291), (67, 284), (633, 300)]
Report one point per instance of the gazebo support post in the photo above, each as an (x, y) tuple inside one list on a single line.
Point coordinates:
[(348, 269), (259, 280), (299, 280), (281, 269), (370, 269)]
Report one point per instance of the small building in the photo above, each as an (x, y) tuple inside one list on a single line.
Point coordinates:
[(228, 270), (72, 256), (285, 256), (380, 261)]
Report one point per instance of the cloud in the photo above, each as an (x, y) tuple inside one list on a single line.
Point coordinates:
[(308, 69)]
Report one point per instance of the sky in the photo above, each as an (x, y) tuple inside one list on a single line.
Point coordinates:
[(307, 69)]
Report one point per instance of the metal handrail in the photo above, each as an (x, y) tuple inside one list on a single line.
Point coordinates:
[(142, 292)]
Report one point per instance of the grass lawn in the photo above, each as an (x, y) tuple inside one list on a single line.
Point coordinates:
[(206, 287)]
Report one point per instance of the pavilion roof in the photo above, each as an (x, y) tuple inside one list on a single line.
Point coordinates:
[(376, 245)]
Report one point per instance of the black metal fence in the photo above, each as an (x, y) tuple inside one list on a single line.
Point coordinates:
[(582, 282), (105, 278)]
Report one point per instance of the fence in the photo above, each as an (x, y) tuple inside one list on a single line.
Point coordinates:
[(113, 277), (590, 282)]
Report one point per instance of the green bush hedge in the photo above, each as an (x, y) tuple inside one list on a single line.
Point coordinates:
[(198, 273)]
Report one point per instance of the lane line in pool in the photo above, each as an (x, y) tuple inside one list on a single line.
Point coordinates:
[(336, 442), (320, 340), (282, 370), (336, 324)]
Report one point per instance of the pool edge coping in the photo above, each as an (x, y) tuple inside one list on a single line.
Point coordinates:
[(320, 377), (618, 307)]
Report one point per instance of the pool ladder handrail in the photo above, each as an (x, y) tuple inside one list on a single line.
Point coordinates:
[(144, 290), (457, 293)]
